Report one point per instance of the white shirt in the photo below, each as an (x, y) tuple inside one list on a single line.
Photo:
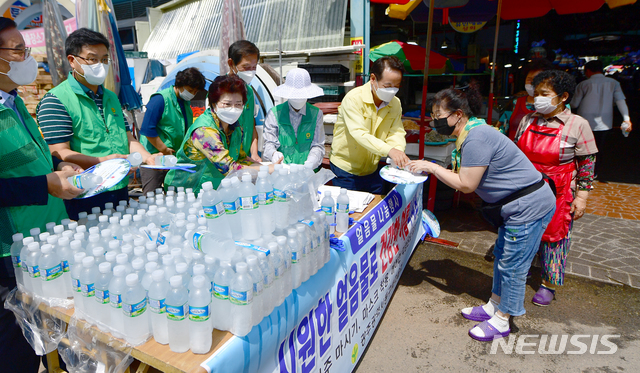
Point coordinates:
[(594, 99), (271, 130)]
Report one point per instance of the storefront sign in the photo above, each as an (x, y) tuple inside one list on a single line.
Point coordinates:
[(358, 41), (467, 27), (329, 322), (34, 38)]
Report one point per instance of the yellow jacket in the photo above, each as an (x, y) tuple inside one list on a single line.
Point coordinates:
[(362, 135)]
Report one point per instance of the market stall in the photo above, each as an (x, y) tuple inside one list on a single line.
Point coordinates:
[(324, 325)]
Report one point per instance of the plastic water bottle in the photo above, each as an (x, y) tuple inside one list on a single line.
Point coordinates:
[(177, 309), (92, 221), (200, 328), (286, 256), (157, 294), (342, 211), (166, 160), (51, 273), (277, 262), (200, 270), (182, 270), (269, 299), (326, 229), (66, 257), (624, 127), (135, 159), (220, 302), (34, 270), (249, 213), (136, 317), (16, 248), (214, 211), (123, 260), (294, 204), (296, 264), (88, 278), (103, 317), (147, 278), (85, 181), (257, 278), (24, 253), (305, 243), (168, 266), (266, 200), (76, 271), (211, 266), (327, 207), (241, 298), (117, 287), (138, 267)]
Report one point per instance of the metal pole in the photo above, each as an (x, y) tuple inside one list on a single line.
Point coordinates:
[(495, 65), (366, 40), (280, 50), (423, 124)]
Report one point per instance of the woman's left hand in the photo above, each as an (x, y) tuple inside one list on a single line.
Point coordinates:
[(578, 206), (68, 166), (422, 166)]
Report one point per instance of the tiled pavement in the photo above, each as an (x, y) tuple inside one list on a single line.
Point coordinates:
[(606, 241)]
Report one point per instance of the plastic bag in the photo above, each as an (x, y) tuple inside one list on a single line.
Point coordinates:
[(319, 178), (241, 172), (40, 329), (91, 351)]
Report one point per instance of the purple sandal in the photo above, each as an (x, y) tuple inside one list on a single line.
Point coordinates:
[(490, 332), (477, 314)]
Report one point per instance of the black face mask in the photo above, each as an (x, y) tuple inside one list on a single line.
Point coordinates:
[(442, 126)]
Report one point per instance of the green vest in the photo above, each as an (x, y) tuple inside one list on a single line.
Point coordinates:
[(94, 135), (247, 120), (171, 126), (205, 170), (295, 149), (20, 156)]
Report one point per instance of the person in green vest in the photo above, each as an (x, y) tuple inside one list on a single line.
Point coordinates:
[(166, 119), (214, 142), (294, 130), (32, 184), (83, 122), (243, 62)]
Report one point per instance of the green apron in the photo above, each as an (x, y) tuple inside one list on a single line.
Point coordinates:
[(247, 120), (94, 135), (205, 170), (20, 156), (295, 149), (171, 126)]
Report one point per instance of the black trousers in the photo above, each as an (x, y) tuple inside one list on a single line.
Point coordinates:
[(601, 139)]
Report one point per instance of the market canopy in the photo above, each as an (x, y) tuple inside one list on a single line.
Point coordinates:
[(413, 57)]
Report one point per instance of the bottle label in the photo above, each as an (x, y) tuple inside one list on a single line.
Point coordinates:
[(75, 284), (307, 222), (249, 203), (279, 271), (52, 273), (213, 212), (17, 263), (34, 271), (241, 298), (134, 310), (164, 227), (230, 208), (76, 181), (281, 195), (25, 268), (161, 239), (196, 241), (268, 280), (199, 313), (220, 292), (102, 296), (88, 290), (343, 208), (328, 210), (294, 257), (115, 300), (266, 198), (177, 313), (65, 266), (157, 305), (253, 247), (257, 288)]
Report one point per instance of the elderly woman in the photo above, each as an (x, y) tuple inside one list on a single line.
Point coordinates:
[(214, 142), (561, 145), (488, 163)]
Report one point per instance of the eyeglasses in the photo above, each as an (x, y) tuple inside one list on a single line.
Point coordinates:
[(226, 105), (93, 61), (26, 52), (435, 117)]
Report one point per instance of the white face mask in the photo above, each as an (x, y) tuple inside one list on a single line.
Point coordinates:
[(385, 94), (22, 72), (247, 76), (94, 74), (297, 103), (543, 104), (186, 95), (228, 115), (529, 88)]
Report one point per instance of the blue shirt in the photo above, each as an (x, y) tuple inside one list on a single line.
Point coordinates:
[(153, 114)]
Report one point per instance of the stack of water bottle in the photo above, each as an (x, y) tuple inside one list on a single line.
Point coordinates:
[(175, 266)]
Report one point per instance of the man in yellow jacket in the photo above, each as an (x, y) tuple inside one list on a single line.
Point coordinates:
[(369, 127)]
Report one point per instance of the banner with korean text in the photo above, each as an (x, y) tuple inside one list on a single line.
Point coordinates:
[(327, 323)]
